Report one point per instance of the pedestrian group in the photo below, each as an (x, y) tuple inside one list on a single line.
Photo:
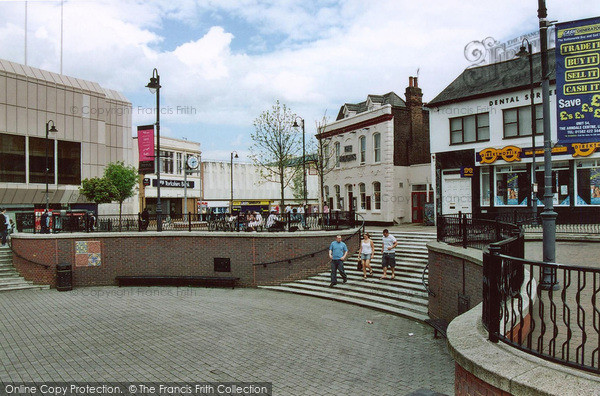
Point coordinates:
[(338, 251)]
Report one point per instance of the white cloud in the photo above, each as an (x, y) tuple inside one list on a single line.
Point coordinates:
[(326, 52)]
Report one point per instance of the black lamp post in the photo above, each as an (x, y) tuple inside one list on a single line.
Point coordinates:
[(48, 130), (231, 163), (523, 52), (303, 157), (154, 87), (549, 280)]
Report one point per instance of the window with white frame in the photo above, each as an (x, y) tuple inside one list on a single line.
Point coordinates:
[(362, 196), (468, 129), (337, 154), (517, 121), (486, 193), (587, 182), (377, 195), (326, 193), (560, 183), (180, 165), (377, 147), (348, 195), (363, 149), (512, 185), (338, 197)]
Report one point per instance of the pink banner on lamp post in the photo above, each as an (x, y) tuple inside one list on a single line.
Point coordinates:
[(146, 148)]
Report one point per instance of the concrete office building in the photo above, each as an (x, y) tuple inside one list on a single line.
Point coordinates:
[(93, 129)]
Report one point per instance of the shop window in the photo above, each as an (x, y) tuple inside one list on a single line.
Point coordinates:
[(512, 185), (377, 195), (363, 149), (517, 121), (12, 158), (37, 160), (486, 193), (69, 163), (179, 168), (560, 183), (588, 182), (377, 147), (473, 128), (363, 195)]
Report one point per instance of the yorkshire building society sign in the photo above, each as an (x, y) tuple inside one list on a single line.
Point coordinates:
[(578, 80)]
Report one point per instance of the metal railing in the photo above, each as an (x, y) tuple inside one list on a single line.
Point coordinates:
[(521, 304), (568, 221), (87, 222)]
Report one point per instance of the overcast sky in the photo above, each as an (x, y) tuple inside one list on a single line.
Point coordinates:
[(223, 62)]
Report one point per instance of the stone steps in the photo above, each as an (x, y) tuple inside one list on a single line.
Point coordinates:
[(404, 295), (10, 280)]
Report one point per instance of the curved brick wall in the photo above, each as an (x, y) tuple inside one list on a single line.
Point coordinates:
[(456, 278), (174, 253)]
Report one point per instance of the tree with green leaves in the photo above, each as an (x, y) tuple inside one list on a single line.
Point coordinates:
[(124, 179), (117, 184), (275, 143)]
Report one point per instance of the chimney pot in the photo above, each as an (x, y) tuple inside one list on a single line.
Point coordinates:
[(415, 82)]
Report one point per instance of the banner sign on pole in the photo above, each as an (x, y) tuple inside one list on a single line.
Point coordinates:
[(578, 80), (146, 148)]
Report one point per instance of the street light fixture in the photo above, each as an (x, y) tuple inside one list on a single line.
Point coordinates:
[(303, 157), (231, 201), (523, 53), (154, 87), (48, 130)]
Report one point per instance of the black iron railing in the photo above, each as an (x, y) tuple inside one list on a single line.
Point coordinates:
[(562, 325), (464, 230), (546, 309), (88, 222)]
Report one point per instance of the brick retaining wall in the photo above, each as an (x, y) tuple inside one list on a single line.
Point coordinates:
[(176, 253), (455, 273)]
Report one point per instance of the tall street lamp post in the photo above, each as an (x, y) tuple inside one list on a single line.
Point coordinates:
[(303, 157), (523, 52), (549, 280), (48, 130), (154, 87), (231, 200)]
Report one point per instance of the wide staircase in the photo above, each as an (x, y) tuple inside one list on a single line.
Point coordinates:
[(405, 295), (9, 277)]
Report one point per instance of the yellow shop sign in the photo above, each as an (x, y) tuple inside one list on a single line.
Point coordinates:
[(584, 149), (508, 154)]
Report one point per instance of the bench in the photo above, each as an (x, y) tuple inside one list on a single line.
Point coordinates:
[(153, 280), (439, 325)]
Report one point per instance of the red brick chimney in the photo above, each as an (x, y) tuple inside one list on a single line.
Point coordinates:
[(418, 140)]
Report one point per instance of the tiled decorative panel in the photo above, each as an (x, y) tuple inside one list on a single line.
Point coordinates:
[(88, 253)]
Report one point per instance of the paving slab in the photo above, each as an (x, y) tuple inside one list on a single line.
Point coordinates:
[(303, 345)]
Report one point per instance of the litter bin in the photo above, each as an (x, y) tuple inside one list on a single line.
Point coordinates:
[(64, 277)]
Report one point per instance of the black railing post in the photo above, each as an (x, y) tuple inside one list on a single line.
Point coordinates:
[(87, 222), (139, 222), (190, 221), (498, 231), (463, 228), (492, 265)]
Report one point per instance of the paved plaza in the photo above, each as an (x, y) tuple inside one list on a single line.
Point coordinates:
[(303, 345)]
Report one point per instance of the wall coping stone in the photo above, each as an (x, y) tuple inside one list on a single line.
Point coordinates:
[(473, 255), (136, 234), (510, 369)]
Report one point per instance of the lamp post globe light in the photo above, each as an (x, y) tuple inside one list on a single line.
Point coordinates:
[(154, 87), (526, 52), (48, 130), (231, 178), (303, 157)]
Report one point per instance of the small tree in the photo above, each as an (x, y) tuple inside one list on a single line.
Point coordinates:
[(324, 161), (124, 179), (117, 184), (275, 144), (98, 190)]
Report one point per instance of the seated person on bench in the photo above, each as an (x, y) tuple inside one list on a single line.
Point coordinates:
[(273, 224)]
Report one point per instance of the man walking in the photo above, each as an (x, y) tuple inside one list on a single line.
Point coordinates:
[(388, 250), (337, 253)]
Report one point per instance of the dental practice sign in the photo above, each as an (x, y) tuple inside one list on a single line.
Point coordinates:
[(578, 81)]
